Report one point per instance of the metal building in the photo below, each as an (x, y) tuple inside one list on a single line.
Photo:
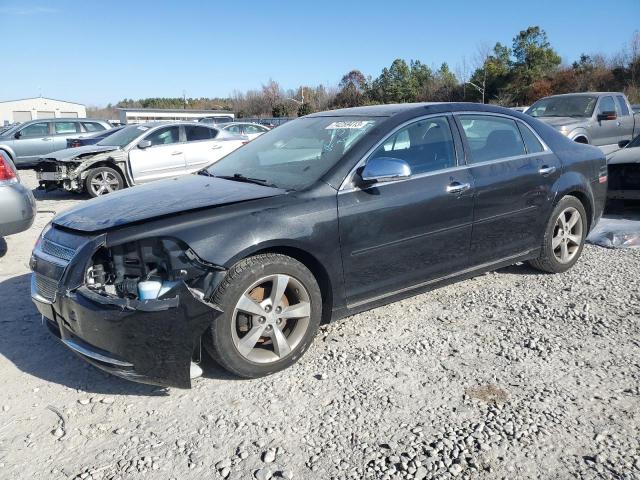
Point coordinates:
[(39, 107), (142, 115)]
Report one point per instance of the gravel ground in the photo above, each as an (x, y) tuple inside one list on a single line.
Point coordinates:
[(512, 374)]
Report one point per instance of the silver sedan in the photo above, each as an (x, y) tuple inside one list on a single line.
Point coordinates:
[(18, 205)]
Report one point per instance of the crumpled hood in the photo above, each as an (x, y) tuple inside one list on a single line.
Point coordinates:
[(72, 153), (159, 199), (569, 122)]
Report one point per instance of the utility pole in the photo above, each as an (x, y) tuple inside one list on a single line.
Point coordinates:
[(184, 99)]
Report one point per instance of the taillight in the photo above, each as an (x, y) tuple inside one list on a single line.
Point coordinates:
[(6, 171)]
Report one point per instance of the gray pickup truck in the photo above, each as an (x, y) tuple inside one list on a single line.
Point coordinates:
[(602, 119)]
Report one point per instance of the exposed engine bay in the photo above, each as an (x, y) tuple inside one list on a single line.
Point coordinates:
[(147, 269)]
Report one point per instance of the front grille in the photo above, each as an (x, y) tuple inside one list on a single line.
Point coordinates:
[(56, 250), (46, 287)]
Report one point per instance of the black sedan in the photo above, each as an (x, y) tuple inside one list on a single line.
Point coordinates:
[(323, 217)]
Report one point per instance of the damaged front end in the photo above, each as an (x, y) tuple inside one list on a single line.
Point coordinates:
[(69, 172), (53, 174), (97, 299)]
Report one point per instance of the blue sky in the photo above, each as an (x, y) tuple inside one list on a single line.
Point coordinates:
[(98, 52)]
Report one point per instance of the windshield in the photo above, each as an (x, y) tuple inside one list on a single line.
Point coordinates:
[(123, 137), (296, 154), (564, 106), (634, 143)]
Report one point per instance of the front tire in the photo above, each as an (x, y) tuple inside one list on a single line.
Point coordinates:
[(103, 180), (564, 237), (272, 310)]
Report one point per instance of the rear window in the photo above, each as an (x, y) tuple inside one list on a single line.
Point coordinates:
[(66, 127), (491, 138), (195, 133), (531, 142), (93, 126), (624, 110)]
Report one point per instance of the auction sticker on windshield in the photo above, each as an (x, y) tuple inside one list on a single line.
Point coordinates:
[(356, 124)]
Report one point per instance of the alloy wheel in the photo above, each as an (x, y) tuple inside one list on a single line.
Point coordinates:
[(104, 182), (567, 235), (270, 318)]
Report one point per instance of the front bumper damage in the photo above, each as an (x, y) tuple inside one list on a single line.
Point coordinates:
[(148, 341), (52, 174)]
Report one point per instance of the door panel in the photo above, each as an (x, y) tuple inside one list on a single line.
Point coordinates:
[(625, 119), (201, 148), (163, 159), (35, 142), (62, 131), (606, 132), (400, 234), (513, 180)]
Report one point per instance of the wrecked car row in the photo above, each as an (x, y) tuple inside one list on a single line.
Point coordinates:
[(326, 216), (134, 155)]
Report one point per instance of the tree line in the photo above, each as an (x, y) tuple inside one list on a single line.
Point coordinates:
[(505, 75)]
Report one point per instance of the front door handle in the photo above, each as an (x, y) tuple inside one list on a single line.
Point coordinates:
[(46, 139), (457, 187), (546, 170), (216, 147), (176, 153)]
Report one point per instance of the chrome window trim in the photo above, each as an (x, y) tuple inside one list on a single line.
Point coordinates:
[(347, 184), (515, 119)]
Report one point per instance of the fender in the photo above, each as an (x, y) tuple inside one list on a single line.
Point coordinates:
[(579, 132), (572, 182), (117, 159)]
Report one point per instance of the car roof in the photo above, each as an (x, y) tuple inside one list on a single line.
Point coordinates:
[(407, 109), (590, 94)]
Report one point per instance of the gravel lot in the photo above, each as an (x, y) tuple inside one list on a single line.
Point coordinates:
[(512, 374)]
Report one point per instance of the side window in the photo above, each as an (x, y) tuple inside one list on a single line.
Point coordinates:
[(65, 127), (195, 134), (93, 126), (35, 130), (530, 140), (252, 129), (491, 138), (624, 110), (164, 136), (234, 129), (606, 105), (426, 145)]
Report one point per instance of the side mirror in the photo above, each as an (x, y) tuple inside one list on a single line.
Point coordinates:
[(385, 169), (607, 116), (623, 143), (17, 135), (142, 144)]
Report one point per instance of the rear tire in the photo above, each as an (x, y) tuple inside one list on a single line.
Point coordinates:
[(272, 310), (563, 238), (103, 180)]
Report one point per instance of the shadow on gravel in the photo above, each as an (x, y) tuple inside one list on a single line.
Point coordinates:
[(3, 247), (28, 345), (58, 195)]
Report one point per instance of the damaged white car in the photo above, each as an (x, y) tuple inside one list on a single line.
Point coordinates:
[(134, 155)]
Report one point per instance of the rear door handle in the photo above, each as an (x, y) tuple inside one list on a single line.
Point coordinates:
[(546, 170), (176, 153), (457, 187), (216, 147), (46, 139)]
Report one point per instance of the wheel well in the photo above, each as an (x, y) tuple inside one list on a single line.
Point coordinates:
[(581, 139), (105, 163), (584, 199), (316, 268)]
